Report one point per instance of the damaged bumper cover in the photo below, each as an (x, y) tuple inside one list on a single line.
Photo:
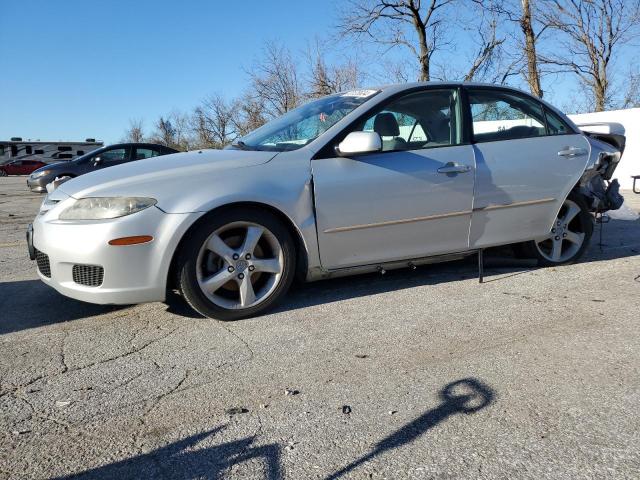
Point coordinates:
[(596, 185)]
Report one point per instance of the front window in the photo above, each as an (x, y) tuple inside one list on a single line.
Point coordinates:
[(115, 155), (300, 126), (418, 120)]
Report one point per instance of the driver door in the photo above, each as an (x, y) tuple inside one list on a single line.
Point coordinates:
[(109, 158), (412, 199)]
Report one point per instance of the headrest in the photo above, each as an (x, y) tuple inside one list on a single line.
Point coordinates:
[(386, 125)]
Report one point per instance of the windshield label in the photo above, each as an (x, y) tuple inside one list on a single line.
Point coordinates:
[(359, 93)]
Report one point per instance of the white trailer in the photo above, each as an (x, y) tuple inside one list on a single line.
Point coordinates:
[(47, 152)]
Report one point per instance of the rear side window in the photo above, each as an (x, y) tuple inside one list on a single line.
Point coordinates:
[(499, 115), (555, 124), (142, 153)]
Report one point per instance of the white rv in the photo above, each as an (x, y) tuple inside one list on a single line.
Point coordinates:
[(47, 152)]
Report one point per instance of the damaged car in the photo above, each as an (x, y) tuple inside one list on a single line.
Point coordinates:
[(354, 182)]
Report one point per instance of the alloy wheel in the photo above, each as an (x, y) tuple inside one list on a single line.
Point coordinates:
[(240, 265), (566, 236)]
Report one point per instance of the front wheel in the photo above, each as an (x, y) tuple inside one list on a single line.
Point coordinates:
[(569, 236), (3, 173), (236, 264)]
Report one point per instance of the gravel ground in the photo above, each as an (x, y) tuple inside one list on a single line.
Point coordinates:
[(425, 374)]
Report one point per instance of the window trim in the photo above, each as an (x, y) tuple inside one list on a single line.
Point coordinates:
[(510, 91), (328, 149)]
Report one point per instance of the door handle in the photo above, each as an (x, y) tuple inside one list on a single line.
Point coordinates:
[(572, 152), (452, 167)]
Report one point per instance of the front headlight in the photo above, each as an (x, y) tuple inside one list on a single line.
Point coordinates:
[(101, 208), (40, 174)]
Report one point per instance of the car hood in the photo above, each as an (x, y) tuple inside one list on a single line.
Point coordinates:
[(149, 177)]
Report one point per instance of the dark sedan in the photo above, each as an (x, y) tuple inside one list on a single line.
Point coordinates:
[(92, 161)]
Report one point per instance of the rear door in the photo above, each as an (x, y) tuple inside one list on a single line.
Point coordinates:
[(140, 153), (528, 160), (411, 200)]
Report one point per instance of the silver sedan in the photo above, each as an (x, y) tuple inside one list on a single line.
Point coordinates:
[(353, 182)]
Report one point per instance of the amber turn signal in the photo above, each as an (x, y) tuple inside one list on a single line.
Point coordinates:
[(131, 240)]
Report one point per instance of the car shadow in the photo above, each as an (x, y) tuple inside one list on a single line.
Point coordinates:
[(30, 303), (183, 460), (621, 239)]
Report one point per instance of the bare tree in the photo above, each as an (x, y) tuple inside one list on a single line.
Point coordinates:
[(631, 97), (164, 133), (488, 40), (410, 23), (530, 49), (525, 59), (592, 31), (172, 131), (248, 114), (213, 122), (135, 132), (325, 78), (274, 80)]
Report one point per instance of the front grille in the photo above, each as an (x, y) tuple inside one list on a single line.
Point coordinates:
[(88, 275), (42, 259)]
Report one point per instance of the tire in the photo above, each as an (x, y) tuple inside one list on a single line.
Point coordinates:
[(3, 173), (573, 237), (233, 279)]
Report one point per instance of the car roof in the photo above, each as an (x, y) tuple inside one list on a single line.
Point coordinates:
[(398, 87), (137, 144)]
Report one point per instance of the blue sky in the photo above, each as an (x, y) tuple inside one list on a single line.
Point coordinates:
[(75, 69)]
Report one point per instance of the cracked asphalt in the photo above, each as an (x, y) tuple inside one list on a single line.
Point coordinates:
[(420, 375)]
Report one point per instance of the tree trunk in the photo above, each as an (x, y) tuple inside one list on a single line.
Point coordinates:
[(600, 95), (533, 74), (424, 57)]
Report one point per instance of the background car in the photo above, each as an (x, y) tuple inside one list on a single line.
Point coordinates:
[(92, 161), (20, 167)]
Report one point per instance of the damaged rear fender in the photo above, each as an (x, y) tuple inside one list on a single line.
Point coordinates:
[(595, 184)]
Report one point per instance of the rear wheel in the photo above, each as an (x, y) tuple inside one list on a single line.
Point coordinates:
[(569, 236), (237, 265), (3, 173)]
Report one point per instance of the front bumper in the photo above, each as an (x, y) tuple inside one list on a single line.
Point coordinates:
[(38, 185), (131, 274)]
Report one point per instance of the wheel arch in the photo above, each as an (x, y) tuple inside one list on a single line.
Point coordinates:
[(302, 255)]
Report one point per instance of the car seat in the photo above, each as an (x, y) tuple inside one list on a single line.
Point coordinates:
[(386, 125)]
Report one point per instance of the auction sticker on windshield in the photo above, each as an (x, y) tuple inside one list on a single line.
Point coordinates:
[(359, 93)]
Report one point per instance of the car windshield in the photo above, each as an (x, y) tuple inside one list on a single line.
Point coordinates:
[(300, 126)]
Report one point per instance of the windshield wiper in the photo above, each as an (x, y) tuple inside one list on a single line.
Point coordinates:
[(240, 144)]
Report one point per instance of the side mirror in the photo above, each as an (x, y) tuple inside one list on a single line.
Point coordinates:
[(97, 160), (359, 142)]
